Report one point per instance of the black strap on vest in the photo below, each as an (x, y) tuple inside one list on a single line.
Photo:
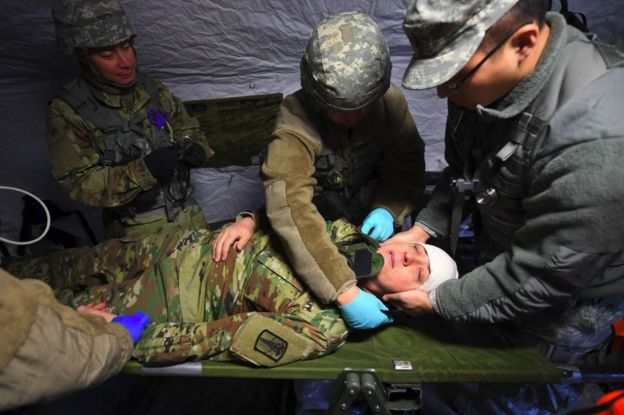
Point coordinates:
[(576, 19), (473, 182), (528, 125), (108, 120)]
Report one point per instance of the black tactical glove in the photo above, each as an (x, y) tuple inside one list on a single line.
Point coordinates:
[(193, 154), (161, 162)]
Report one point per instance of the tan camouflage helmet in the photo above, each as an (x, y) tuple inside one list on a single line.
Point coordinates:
[(346, 64), (84, 24), (445, 34)]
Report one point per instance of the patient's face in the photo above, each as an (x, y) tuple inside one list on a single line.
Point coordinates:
[(406, 267)]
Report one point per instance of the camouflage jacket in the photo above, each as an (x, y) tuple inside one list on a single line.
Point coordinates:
[(47, 349), (75, 147), (289, 180)]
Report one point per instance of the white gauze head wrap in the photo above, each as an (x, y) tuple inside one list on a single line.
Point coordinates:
[(441, 266)]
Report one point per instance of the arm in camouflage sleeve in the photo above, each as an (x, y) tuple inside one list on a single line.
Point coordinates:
[(76, 163), (289, 187), (402, 166)]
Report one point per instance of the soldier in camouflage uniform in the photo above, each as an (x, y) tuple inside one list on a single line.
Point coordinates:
[(120, 140), (343, 146), (250, 306)]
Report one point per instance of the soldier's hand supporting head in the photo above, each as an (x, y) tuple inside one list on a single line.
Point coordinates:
[(410, 302)]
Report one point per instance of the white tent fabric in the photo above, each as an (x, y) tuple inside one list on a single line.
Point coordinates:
[(201, 50)]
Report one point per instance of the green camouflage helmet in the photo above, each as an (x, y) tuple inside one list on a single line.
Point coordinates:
[(84, 24), (346, 64), (445, 34)]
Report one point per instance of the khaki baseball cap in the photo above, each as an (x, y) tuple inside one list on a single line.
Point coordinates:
[(444, 35)]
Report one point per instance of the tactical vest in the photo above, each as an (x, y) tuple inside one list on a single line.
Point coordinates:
[(495, 185), (125, 141), (347, 185)]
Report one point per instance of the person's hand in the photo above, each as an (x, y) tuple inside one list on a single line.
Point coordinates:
[(161, 162), (379, 224), (97, 310), (241, 231), (414, 234), (410, 302), (365, 312), (134, 323)]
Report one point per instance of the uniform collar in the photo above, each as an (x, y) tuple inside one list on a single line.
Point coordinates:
[(135, 97)]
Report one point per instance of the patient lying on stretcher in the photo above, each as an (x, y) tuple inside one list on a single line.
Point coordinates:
[(249, 306)]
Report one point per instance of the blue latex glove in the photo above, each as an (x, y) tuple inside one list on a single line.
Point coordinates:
[(134, 323), (365, 312), (379, 224)]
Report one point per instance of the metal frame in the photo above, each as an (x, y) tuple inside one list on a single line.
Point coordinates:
[(365, 383)]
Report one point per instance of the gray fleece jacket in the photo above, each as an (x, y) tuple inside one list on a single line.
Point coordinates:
[(555, 238)]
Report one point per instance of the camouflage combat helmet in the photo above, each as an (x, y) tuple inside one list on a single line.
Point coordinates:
[(445, 34), (346, 64), (84, 24)]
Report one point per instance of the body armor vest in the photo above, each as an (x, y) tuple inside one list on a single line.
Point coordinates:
[(125, 141), (345, 185)]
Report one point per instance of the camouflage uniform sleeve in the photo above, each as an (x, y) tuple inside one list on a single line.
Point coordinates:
[(47, 349), (76, 163), (289, 186), (402, 166), (184, 126)]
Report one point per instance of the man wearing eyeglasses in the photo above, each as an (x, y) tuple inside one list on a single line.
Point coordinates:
[(534, 143)]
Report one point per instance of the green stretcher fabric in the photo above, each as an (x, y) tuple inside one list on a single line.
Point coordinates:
[(435, 356)]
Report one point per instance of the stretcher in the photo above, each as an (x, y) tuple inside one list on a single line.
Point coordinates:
[(386, 368)]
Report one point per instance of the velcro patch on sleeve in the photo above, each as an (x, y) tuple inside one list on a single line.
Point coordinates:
[(264, 341)]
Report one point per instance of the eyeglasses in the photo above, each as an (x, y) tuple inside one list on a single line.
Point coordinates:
[(455, 86)]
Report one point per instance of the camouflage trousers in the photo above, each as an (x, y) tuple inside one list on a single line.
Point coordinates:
[(114, 260)]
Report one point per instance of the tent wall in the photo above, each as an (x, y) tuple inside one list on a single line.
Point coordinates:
[(201, 49)]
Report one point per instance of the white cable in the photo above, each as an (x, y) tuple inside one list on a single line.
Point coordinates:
[(45, 208)]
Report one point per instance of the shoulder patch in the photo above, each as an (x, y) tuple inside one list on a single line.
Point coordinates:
[(271, 345)]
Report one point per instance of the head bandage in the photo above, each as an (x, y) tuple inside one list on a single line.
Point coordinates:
[(441, 266)]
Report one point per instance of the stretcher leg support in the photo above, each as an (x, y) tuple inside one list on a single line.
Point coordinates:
[(365, 383)]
